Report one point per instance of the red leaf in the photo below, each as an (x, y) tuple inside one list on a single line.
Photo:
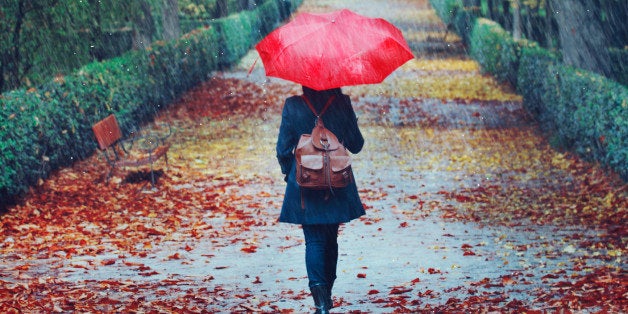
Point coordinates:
[(508, 280), (400, 290), (108, 262), (463, 199), (249, 249), (563, 284), (361, 275)]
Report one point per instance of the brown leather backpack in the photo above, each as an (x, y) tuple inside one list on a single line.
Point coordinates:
[(322, 162)]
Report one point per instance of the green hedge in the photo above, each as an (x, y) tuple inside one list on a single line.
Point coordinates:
[(446, 9), (588, 113), (49, 127), (495, 50), (584, 112), (268, 11), (455, 14), (208, 9), (534, 63), (237, 32)]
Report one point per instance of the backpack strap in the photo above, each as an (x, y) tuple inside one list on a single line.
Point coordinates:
[(309, 104), (322, 138)]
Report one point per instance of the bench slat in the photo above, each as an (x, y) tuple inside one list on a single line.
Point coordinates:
[(107, 132)]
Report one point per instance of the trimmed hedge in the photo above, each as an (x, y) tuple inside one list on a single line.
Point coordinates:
[(235, 36), (588, 114), (534, 63), (454, 13), (584, 112), (208, 9), (49, 127), (446, 9), (268, 11), (495, 50)]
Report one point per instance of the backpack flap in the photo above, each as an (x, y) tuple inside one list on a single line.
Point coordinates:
[(312, 162), (324, 139), (339, 163)]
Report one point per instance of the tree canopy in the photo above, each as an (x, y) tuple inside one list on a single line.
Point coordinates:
[(43, 38)]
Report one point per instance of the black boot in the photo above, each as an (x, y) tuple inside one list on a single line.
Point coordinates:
[(321, 299), (330, 301)]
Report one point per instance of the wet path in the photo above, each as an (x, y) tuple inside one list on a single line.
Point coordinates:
[(454, 187)]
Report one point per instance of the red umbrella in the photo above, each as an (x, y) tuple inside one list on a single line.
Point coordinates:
[(336, 49)]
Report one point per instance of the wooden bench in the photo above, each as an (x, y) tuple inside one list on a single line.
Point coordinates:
[(136, 151)]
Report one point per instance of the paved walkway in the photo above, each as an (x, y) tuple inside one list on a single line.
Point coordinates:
[(454, 191)]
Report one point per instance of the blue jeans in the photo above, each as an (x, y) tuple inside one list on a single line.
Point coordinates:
[(321, 253)]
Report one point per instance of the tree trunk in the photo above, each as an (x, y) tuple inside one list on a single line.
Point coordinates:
[(144, 26), (96, 33), (471, 3), (616, 26), (489, 13), (170, 19), (528, 24), (12, 62), (472, 6), (221, 8), (516, 19), (582, 39), (550, 30), (506, 17)]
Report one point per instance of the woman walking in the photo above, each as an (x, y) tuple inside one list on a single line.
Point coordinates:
[(319, 212)]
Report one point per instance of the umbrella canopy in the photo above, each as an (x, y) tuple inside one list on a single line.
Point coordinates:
[(336, 49)]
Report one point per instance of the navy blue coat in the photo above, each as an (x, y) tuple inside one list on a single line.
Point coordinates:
[(344, 204)]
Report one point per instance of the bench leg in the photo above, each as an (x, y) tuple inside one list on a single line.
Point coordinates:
[(152, 176), (109, 175), (152, 172)]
